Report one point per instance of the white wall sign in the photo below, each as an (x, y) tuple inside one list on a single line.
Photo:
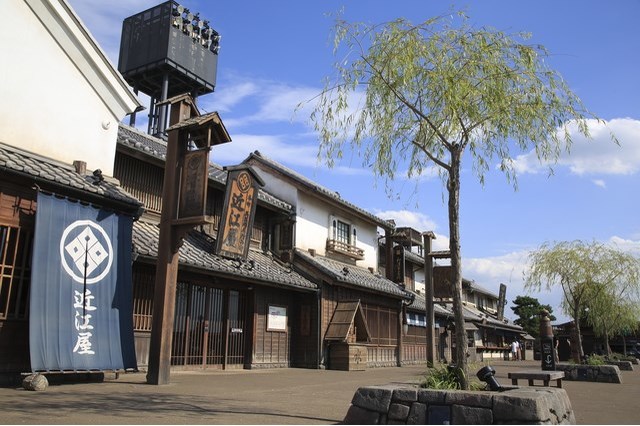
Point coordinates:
[(277, 318)]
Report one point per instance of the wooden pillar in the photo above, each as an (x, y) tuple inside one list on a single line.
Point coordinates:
[(429, 294), (388, 250), (225, 321), (400, 334), (164, 298)]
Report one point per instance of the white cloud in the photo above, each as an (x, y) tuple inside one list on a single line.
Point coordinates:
[(429, 173), (508, 269), (273, 146), (625, 245), (598, 155), (599, 182), (229, 96), (250, 100), (277, 148), (416, 220)]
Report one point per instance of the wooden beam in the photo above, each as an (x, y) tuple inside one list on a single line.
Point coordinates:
[(164, 298), (443, 254), (429, 293)]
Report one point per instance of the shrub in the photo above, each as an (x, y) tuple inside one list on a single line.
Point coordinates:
[(594, 359), (620, 357), (444, 377)]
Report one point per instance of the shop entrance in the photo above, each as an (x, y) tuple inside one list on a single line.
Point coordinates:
[(209, 327)]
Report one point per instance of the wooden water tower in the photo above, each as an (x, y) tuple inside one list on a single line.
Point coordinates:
[(166, 51)]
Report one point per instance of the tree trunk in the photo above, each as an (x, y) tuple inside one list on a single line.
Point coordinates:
[(577, 353), (607, 347), (453, 187)]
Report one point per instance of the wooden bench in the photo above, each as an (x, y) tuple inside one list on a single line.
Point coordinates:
[(531, 375)]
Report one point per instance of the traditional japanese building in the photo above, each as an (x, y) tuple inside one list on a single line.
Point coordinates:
[(64, 220), (488, 331), (229, 313), (336, 246), (312, 291)]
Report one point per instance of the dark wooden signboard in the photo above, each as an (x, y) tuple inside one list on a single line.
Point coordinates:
[(193, 183), (234, 232), (398, 264), (442, 288), (501, 301)]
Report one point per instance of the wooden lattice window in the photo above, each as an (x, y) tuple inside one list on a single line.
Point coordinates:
[(15, 271), (342, 232), (143, 283)]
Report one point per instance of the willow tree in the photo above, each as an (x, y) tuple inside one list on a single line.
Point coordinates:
[(613, 307), (614, 315), (412, 97), (594, 278)]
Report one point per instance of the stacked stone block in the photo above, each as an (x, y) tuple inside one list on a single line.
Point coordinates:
[(591, 373), (516, 405)]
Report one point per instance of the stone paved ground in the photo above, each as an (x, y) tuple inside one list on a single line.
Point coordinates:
[(283, 396)]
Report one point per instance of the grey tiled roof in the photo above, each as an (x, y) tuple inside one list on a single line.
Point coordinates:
[(413, 257), (142, 142), (54, 174), (157, 148), (470, 314), (315, 187), (197, 252), (487, 320), (419, 304), (353, 275), (477, 287)]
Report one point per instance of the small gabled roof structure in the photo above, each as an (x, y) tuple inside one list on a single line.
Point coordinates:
[(348, 314), (211, 122)]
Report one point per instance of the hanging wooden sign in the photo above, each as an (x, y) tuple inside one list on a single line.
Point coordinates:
[(442, 287), (502, 300), (398, 264), (193, 183), (236, 222)]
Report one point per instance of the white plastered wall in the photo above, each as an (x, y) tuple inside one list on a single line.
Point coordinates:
[(312, 219), (49, 106), (312, 229)]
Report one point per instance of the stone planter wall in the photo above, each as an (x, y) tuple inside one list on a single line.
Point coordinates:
[(516, 405), (622, 365), (591, 373)]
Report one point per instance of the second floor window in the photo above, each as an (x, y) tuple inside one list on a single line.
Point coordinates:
[(343, 232), (343, 239)]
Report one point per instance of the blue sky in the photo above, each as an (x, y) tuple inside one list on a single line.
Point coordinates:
[(275, 54)]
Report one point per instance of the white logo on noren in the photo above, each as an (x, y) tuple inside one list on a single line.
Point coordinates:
[(84, 248)]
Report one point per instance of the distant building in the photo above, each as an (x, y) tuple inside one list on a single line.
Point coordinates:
[(488, 335)]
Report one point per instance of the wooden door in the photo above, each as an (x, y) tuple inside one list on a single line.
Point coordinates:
[(209, 327)]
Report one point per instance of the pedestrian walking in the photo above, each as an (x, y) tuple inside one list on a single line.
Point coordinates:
[(515, 350)]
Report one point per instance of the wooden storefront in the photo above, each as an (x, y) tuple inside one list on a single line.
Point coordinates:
[(380, 301), (17, 213), (225, 314), (21, 177)]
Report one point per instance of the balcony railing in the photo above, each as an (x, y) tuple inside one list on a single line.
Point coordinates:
[(345, 249)]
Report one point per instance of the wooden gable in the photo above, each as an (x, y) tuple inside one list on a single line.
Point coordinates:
[(348, 323)]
